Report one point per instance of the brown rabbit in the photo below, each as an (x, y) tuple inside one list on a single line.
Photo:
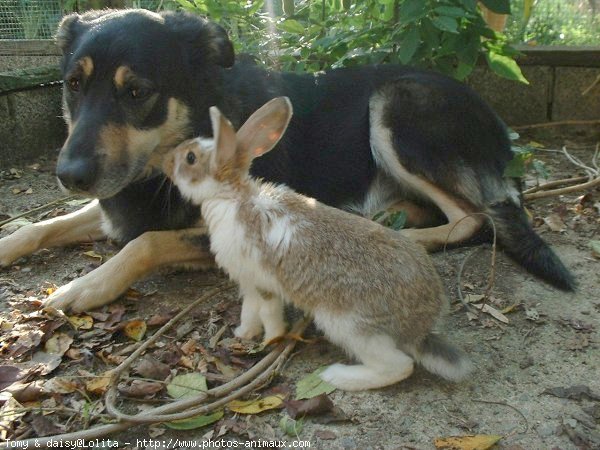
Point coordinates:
[(371, 291)]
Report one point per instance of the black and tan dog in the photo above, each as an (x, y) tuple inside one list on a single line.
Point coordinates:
[(138, 83)]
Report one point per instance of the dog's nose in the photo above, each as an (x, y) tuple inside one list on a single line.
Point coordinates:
[(77, 174)]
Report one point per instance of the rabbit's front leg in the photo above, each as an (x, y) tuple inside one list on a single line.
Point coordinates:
[(272, 316), (250, 323)]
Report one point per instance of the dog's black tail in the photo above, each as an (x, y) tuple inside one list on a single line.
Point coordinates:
[(519, 240)]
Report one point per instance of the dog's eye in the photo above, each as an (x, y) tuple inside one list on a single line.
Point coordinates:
[(138, 93), (190, 158), (73, 84)]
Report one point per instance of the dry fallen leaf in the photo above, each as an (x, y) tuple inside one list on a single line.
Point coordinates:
[(469, 442), (93, 254), (10, 411), (140, 388), (555, 223), (321, 404), (492, 312), (83, 322), (58, 344), (10, 375), (60, 385), (257, 405), (150, 367), (99, 385), (135, 329), (474, 298)]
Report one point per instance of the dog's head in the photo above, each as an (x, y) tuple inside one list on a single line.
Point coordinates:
[(132, 80)]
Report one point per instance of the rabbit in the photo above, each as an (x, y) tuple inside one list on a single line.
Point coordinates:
[(370, 290)]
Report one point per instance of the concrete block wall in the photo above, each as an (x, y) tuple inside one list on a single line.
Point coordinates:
[(561, 88)]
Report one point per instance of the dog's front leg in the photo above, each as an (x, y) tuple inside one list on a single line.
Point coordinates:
[(140, 257), (79, 226)]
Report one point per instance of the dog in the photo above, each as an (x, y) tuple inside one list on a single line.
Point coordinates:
[(137, 83)]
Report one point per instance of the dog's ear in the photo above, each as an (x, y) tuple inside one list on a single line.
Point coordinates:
[(206, 40), (225, 139), (69, 29), (74, 25), (264, 128), (220, 45)]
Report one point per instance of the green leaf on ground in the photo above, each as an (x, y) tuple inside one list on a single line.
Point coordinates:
[(187, 385), (195, 422), (312, 385)]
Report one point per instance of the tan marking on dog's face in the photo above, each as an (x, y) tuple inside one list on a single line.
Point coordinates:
[(126, 153), (87, 66), (126, 143), (122, 74)]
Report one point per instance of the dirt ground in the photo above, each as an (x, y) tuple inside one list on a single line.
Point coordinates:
[(550, 341)]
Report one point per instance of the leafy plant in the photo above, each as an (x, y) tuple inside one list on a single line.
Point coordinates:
[(447, 36), (524, 160)]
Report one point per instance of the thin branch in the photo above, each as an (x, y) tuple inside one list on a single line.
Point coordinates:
[(493, 258), (553, 184), (567, 190), (555, 124), (490, 402), (461, 269), (592, 173), (39, 208), (188, 407)]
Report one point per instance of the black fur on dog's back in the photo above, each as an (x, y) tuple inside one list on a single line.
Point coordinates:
[(440, 129)]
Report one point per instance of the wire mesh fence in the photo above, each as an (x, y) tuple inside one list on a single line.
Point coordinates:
[(38, 19)]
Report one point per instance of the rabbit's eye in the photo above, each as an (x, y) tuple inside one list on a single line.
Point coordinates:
[(190, 158)]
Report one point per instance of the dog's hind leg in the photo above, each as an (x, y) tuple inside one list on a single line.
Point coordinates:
[(79, 226), (460, 226), (140, 257)]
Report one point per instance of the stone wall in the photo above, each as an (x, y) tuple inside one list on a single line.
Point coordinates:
[(564, 84)]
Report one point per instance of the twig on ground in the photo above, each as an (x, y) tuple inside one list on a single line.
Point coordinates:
[(492, 276), (253, 378), (461, 269), (39, 208), (510, 406), (555, 124), (591, 172), (565, 190), (555, 183), (593, 179)]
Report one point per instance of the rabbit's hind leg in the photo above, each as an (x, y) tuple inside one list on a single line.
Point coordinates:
[(383, 363)]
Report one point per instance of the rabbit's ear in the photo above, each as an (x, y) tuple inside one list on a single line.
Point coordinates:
[(224, 135), (265, 127)]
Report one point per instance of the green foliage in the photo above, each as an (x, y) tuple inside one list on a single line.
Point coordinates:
[(554, 22), (523, 161), (447, 35)]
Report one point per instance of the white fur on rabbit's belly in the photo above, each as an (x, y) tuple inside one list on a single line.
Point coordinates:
[(234, 251)]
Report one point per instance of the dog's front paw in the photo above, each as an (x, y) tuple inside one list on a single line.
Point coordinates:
[(78, 296), (248, 333), (12, 248)]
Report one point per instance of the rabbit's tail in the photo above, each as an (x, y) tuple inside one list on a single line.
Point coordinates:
[(442, 358)]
